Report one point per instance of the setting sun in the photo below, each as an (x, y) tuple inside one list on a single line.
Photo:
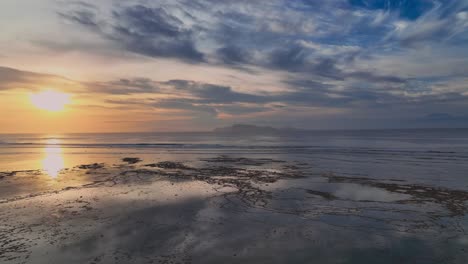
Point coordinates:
[(50, 100)]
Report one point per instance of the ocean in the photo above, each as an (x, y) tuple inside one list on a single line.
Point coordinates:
[(433, 155), (371, 196)]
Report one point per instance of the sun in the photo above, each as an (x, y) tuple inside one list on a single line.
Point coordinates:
[(50, 100)]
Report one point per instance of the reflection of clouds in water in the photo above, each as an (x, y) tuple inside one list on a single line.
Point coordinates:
[(169, 215), (53, 161), (140, 220), (363, 193), (463, 241), (347, 191), (200, 229)]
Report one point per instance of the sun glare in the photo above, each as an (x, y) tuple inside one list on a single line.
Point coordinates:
[(50, 100), (53, 161)]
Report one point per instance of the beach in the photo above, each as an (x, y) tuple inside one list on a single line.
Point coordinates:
[(222, 131), (324, 197)]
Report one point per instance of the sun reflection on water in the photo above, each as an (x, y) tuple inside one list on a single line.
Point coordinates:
[(53, 161)]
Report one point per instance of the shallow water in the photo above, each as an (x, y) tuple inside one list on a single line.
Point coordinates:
[(396, 196)]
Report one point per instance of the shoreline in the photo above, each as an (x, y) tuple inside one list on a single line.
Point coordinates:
[(222, 190)]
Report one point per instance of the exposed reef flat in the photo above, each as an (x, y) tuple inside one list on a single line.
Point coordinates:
[(228, 209)]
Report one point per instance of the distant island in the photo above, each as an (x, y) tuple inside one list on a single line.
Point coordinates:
[(253, 129)]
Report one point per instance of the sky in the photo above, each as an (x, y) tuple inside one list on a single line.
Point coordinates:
[(194, 65)]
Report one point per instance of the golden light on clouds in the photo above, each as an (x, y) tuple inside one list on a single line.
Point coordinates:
[(50, 100)]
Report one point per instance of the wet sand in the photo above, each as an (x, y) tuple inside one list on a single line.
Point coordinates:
[(226, 209)]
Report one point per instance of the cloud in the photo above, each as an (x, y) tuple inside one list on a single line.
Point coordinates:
[(322, 38), (233, 55), (82, 17), (444, 22), (441, 120), (210, 103), (11, 79), (406, 9), (366, 92), (125, 86), (342, 56), (140, 29), (210, 93)]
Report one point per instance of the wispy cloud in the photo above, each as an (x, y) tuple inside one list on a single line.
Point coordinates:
[(14, 79), (141, 29)]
